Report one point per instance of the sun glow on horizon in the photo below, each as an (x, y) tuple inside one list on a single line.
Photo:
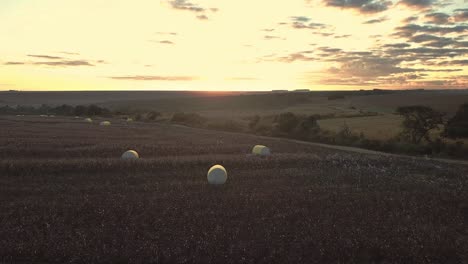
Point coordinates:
[(231, 45)]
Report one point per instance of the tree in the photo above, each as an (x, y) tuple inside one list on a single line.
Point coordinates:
[(287, 122), (153, 115), (254, 122), (457, 127), (307, 127), (80, 110), (418, 121)]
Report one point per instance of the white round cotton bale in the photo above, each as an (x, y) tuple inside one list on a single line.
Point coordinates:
[(130, 155), (217, 175), (105, 123), (129, 119), (261, 150), (88, 120)]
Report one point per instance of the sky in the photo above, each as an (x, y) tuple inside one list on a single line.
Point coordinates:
[(235, 45)]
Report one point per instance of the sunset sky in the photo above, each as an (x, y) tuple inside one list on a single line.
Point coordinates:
[(242, 45)]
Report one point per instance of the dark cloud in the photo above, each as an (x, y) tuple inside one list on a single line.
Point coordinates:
[(453, 63), (411, 29), (46, 57), (438, 18), (375, 21), (461, 15), (423, 53), (154, 78), (363, 6), (410, 19), (372, 67), (417, 4), (432, 41), (166, 42), (397, 45)]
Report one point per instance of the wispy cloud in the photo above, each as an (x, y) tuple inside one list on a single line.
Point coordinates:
[(65, 63), (242, 79), (154, 78), (375, 21), (14, 63), (56, 61), (189, 6), (46, 57)]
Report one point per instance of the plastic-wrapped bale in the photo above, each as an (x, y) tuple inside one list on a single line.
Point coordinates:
[(129, 119), (88, 120), (261, 150), (130, 155), (105, 123), (217, 175)]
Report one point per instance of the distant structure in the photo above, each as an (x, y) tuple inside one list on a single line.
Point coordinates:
[(301, 91), (279, 91)]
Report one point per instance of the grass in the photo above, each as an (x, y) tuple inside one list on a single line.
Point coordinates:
[(374, 127), (67, 197)]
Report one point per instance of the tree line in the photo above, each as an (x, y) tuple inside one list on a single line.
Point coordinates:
[(63, 110)]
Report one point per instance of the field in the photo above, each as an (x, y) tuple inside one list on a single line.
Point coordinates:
[(373, 127), (371, 113), (67, 197)]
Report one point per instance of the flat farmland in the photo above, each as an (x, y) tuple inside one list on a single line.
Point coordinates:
[(381, 127), (67, 197)]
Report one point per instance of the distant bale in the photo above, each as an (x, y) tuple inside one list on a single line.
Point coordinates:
[(88, 120), (129, 119), (217, 175), (105, 123), (130, 155), (261, 150)]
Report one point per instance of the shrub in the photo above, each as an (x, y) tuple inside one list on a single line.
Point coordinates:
[(192, 119), (152, 116), (457, 127), (286, 122)]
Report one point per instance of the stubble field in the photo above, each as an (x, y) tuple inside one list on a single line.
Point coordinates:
[(67, 197)]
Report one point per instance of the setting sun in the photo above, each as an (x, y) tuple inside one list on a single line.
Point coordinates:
[(232, 45)]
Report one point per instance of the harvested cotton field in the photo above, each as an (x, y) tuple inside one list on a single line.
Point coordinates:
[(66, 195)]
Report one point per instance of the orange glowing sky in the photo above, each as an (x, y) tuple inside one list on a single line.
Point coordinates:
[(232, 45)]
